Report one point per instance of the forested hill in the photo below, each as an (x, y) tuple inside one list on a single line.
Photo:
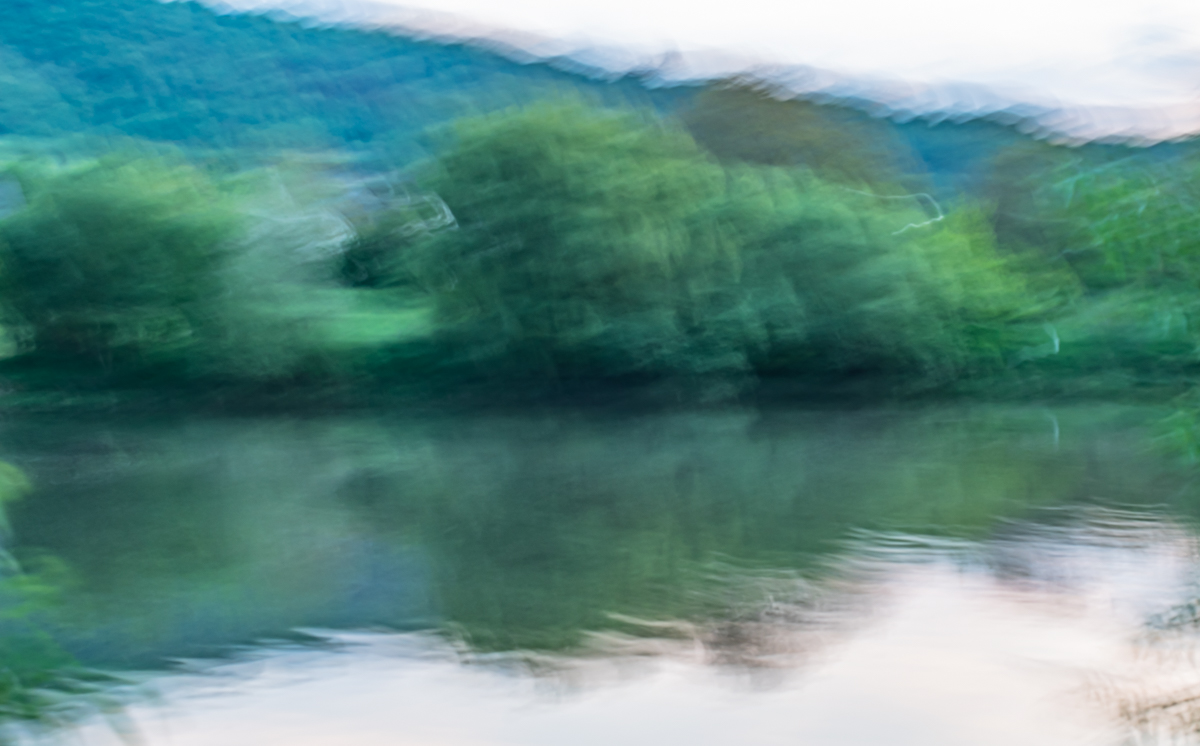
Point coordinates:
[(181, 72)]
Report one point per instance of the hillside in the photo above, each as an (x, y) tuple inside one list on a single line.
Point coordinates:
[(182, 73)]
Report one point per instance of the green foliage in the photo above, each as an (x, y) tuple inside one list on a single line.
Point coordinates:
[(114, 258), (1116, 223), (571, 243), (276, 283), (1130, 223), (582, 247), (152, 270), (565, 242), (1114, 240), (847, 281), (598, 244)]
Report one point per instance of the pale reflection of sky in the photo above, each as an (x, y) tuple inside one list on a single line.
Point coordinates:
[(1103, 53), (946, 655)]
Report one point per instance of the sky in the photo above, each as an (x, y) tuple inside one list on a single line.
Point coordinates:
[(1111, 65)]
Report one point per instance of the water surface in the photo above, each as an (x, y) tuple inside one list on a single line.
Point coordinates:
[(941, 576)]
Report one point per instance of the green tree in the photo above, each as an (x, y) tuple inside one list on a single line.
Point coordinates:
[(583, 247), (114, 259), (596, 244), (851, 282)]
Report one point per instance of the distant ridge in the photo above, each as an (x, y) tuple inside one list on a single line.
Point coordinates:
[(892, 98), (252, 80)]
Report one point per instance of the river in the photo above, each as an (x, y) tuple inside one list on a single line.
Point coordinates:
[(936, 576)]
